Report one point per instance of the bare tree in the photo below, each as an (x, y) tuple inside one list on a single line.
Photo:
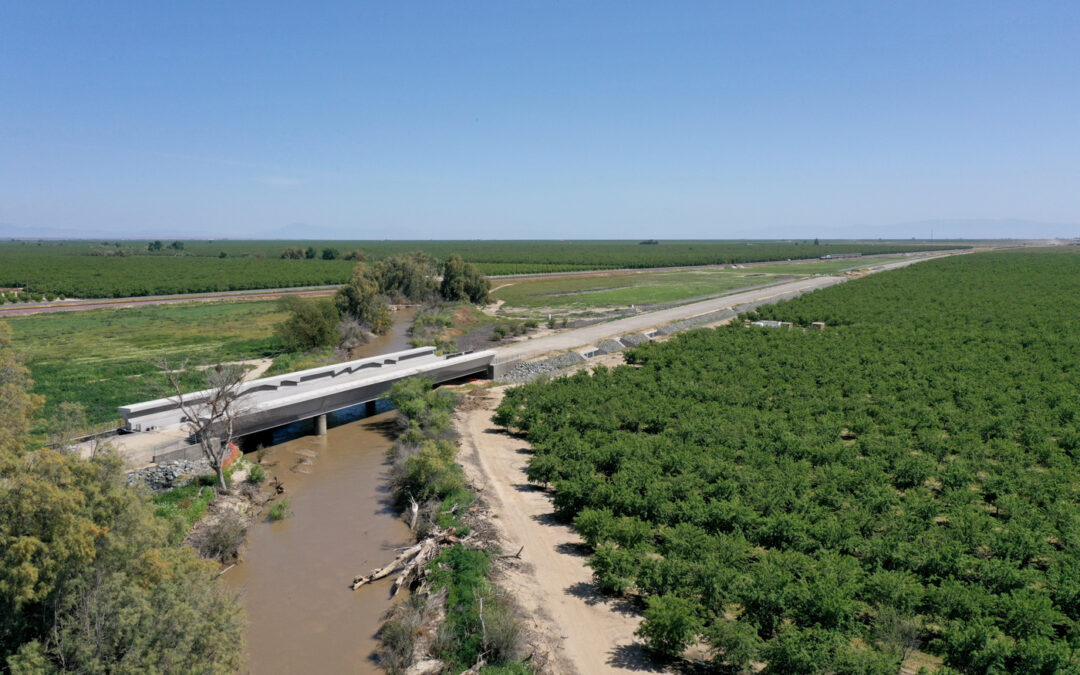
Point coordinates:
[(211, 414)]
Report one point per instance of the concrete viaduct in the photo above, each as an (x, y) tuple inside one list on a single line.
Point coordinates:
[(275, 401)]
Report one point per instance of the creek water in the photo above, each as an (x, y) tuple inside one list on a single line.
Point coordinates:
[(294, 580)]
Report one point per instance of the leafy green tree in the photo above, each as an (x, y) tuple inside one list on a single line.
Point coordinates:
[(795, 651), (89, 580), (410, 276), (177, 246), (155, 245), (735, 645), (360, 298), (670, 624), (310, 253), (613, 568), (310, 324), (330, 254), (463, 282)]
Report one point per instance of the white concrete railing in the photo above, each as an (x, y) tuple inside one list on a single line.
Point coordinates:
[(326, 388)]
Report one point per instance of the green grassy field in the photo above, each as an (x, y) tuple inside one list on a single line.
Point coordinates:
[(106, 358), (645, 288)]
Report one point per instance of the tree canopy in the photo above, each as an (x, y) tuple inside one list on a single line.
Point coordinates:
[(463, 282), (90, 579), (832, 500)]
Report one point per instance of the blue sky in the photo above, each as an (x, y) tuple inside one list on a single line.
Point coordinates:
[(540, 120)]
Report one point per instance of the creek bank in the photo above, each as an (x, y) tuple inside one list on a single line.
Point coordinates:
[(457, 618)]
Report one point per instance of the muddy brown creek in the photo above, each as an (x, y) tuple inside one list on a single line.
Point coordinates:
[(294, 580)]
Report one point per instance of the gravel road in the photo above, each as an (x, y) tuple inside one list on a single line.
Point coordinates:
[(592, 335)]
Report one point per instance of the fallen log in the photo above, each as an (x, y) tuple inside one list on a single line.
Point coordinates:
[(386, 570), (411, 560)]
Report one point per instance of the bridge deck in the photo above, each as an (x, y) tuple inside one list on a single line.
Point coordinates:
[(281, 399)]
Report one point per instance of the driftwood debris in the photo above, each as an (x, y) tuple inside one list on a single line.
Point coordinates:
[(411, 560), (414, 509)]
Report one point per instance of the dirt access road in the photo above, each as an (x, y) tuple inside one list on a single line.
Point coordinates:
[(577, 630), (592, 335)]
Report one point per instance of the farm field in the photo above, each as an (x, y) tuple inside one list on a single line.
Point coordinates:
[(126, 268), (901, 488), (106, 358), (645, 288)]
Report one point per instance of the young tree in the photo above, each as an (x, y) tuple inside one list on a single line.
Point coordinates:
[(154, 245), (310, 253), (69, 421), (329, 254), (211, 415)]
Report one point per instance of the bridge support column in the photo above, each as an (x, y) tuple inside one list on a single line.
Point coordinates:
[(320, 425), (369, 408)]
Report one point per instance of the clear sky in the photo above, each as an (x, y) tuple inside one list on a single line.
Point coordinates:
[(512, 119)]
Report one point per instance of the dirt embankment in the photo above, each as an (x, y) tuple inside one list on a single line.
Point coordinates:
[(585, 633)]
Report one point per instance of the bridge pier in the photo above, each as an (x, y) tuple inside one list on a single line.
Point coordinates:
[(320, 425), (369, 408)]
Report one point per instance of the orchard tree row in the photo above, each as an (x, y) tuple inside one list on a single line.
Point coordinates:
[(906, 480), (122, 269)]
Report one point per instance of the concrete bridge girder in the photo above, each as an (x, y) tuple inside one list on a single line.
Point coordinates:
[(275, 401)]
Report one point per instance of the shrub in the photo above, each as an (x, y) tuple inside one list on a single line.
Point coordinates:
[(256, 474), (280, 510), (398, 634), (311, 324), (499, 332), (222, 540)]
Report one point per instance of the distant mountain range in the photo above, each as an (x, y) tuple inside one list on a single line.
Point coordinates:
[(1005, 228)]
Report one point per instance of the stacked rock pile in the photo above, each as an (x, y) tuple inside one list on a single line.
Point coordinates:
[(529, 370), (168, 475)]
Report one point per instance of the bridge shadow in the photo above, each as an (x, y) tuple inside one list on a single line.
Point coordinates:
[(388, 428)]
